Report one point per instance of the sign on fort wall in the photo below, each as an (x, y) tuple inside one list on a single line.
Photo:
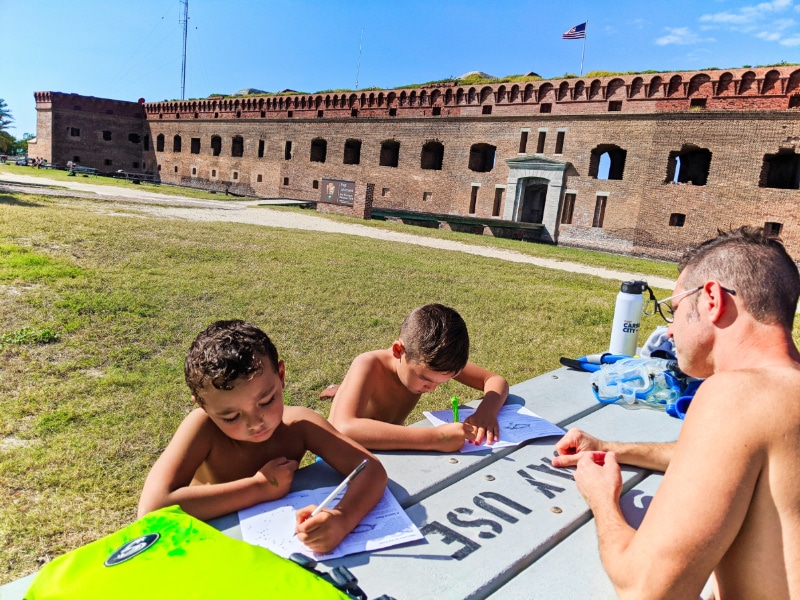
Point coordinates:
[(337, 191)]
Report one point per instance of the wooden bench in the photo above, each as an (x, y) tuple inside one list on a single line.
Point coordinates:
[(137, 177), (463, 223), (81, 170)]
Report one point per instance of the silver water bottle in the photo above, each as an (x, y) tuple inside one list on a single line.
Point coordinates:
[(627, 318)]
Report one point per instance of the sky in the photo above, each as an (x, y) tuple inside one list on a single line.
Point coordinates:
[(131, 50)]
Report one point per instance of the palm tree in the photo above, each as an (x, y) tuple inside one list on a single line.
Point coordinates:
[(6, 139)]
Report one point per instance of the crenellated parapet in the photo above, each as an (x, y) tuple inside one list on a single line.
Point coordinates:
[(763, 88), (89, 104)]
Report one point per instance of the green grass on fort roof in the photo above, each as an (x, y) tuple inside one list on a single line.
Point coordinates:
[(479, 80)]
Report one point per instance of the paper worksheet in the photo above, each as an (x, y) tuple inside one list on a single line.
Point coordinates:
[(271, 525), (517, 425)]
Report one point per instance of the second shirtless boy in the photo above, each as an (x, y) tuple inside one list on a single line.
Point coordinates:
[(382, 387)]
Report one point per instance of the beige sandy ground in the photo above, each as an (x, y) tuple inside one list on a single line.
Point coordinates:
[(248, 211)]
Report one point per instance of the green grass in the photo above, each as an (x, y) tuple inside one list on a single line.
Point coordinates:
[(97, 311), (605, 260), (54, 176)]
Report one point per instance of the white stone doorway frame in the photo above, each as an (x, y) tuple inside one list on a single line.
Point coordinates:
[(536, 170)]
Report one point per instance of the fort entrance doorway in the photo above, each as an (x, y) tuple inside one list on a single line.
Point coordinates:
[(536, 184), (534, 198)]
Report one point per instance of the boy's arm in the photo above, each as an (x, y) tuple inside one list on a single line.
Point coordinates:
[(351, 403), (495, 393), (323, 532), (169, 480)]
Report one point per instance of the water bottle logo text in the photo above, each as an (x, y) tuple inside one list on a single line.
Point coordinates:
[(630, 327)]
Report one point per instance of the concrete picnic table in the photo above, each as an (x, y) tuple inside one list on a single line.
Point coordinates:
[(498, 524), (502, 524)]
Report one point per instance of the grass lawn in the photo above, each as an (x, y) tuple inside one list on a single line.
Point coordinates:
[(55, 176), (97, 312)]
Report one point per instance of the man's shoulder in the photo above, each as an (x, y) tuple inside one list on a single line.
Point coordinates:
[(752, 394), (762, 379)]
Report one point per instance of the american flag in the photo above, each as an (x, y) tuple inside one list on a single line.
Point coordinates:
[(576, 33)]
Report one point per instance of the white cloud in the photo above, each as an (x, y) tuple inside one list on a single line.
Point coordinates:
[(763, 21), (681, 36), (748, 15), (790, 41), (781, 24)]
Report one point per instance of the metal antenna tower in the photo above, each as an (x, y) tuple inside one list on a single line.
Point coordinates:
[(185, 22), (358, 68)]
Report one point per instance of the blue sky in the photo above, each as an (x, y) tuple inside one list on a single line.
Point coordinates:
[(128, 50)]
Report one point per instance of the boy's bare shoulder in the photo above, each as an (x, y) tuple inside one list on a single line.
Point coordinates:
[(198, 425), (372, 360), (297, 415)]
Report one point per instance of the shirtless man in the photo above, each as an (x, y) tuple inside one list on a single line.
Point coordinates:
[(729, 502), (382, 387)]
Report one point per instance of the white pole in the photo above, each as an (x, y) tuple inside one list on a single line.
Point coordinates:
[(358, 68), (583, 52)]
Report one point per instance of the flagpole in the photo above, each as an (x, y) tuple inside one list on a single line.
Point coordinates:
[(583, 52)]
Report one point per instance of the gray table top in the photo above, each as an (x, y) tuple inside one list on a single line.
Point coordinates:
[(501, 523)]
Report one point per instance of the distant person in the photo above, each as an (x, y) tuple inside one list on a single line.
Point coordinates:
[(730, 499), (382, 387), (241, 446)]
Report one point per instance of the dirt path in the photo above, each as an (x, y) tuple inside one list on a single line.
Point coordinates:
[(248, 211)]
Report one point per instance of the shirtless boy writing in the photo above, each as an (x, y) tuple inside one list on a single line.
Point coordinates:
[(242, 445), (382, 387)]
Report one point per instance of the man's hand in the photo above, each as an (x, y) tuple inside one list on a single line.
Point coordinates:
[(322, 532), (598, 475), (452, 436), (485, 426), (275, 477), (573, 445)]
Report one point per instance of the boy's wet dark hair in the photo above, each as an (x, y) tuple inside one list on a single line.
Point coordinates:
[(436, 336), (224, 352), (755, 265)]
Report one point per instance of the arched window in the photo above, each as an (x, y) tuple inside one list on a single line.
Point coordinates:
[(781, 170), (390, 153), (690, 165), (352, 152), (607, 161), (319, 150), (216, 145), (176, 143), (160, 142), (432, 156), (237, 146), (481, 157)]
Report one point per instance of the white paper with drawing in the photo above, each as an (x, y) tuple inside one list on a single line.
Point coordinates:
[(517, 425), (271, 525)]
